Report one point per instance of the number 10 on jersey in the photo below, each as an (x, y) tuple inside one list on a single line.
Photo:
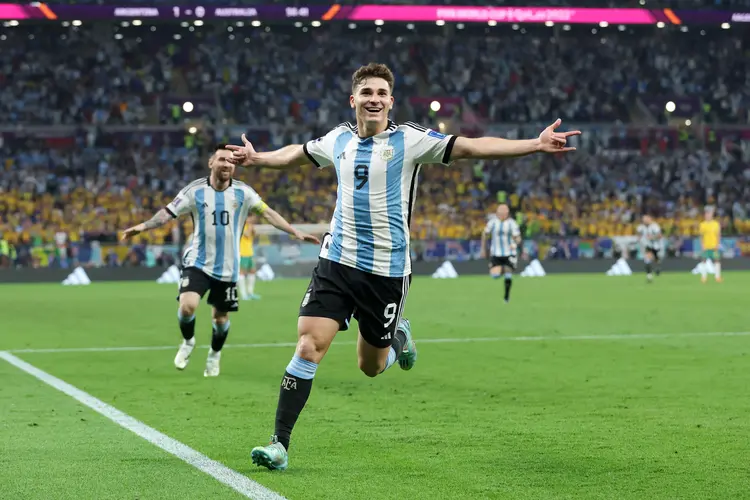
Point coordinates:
[(221, 218)]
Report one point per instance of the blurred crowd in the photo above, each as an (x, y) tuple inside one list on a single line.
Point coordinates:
[(110, 88), (110, 74)]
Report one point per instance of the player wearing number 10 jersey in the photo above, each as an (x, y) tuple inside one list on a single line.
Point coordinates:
[(364, 267), (219, 206)]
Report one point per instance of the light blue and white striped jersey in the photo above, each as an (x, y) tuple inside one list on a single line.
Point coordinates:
[(218, 220), (377, 186), (502, 232)]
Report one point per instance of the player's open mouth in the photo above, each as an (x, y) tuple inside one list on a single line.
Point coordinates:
[(373, 110)]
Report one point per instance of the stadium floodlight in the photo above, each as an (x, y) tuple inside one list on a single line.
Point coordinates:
[(193, 130), (77, 23), (188, 107), (492, 22), (255, 23), (198, 22), (315, 24), (137, 22), (670, 107), (549, 24), (435, 106), (660, 24), (379, 22), (603, 24), (725, 26), (688, 122), (440, 22)]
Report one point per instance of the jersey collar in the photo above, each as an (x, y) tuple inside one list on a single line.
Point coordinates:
[(208, 181)]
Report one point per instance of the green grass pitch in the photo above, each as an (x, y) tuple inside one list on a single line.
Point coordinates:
[(586, 412)]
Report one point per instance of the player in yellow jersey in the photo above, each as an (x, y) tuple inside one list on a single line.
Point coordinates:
[(247, 262), (710, 232)]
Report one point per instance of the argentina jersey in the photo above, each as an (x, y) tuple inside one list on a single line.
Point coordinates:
[(377, 184), (650, 235), (218, 219), (502, 237)]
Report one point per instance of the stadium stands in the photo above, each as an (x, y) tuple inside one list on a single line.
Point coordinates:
[(113, 143)]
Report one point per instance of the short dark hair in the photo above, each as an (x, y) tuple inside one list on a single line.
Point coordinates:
[(372, 70)]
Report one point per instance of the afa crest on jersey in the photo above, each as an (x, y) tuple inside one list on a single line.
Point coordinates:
[(387, 154)]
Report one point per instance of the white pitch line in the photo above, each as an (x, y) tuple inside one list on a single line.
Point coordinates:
[(540, 338), (241, 484)]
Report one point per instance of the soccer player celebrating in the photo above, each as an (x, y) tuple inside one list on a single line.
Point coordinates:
[(710, 232), (247, 262), (364, 267), (219, 206), (650, 234), (505, 236)]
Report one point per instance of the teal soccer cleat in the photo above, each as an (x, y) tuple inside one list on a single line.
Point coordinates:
[(273, 456), (408, 357)]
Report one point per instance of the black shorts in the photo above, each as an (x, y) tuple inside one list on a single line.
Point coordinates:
[(339, 292), (509, 261), (654, 250), (222, 294)]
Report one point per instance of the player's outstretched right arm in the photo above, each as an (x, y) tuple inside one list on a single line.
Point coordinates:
[(182, 204), (286, 157), (159, 219)]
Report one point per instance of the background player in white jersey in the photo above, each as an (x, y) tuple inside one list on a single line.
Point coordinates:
[(505, 236), (219, 206), (651, 246), (364, 267)]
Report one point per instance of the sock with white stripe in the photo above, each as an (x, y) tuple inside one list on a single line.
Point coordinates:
[(399, 341), (187, 327), (293, 394), (219, 335)]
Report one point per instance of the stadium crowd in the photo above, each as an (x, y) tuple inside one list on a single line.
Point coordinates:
[(290, 83)]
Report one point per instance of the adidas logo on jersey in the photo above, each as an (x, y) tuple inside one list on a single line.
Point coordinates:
[(446, 270), (534, 270), (77, 277), (620, 268)]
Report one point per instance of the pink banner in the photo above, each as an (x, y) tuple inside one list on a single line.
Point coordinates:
[(500, 14), (13, 11)]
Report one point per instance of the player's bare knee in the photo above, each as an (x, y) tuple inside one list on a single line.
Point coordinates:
[(310, 348), (220, 318), (371, 368), (315, 337), (187, 309)]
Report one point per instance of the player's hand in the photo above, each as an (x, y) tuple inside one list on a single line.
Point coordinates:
[(242, 155), (554, 142), (306, 237), (132, 231)]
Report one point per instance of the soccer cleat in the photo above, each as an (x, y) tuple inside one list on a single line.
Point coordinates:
[(183, 354), (212, 364), (254, 297), (273, 456), (408, 356)]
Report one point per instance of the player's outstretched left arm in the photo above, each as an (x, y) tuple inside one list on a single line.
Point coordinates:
[(279, 222), (491, 148), (159, 219)]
